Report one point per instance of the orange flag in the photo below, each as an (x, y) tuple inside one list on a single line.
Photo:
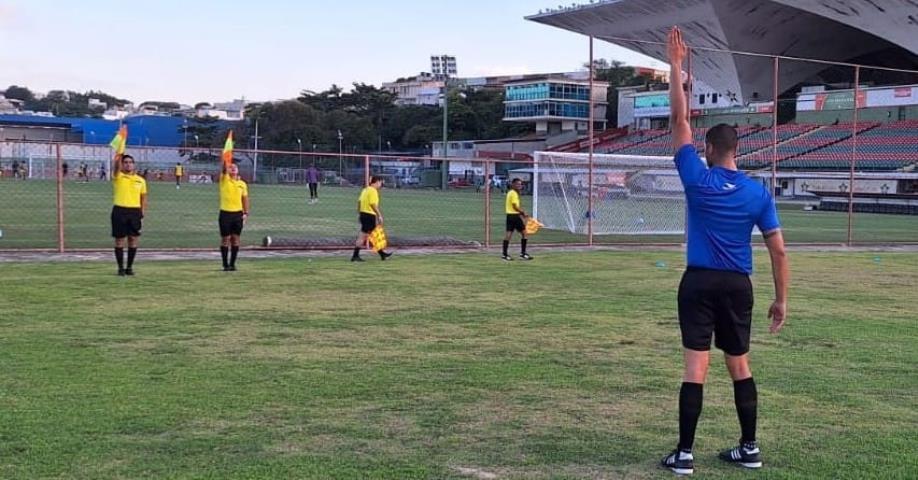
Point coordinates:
[(228, 149)]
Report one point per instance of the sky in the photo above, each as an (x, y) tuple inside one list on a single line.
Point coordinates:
[(207, 50)]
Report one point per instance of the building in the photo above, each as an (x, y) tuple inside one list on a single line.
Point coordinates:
[(231, 111), (423, 89), (443, 66), (555, 104), (854, 31), (9, 105)]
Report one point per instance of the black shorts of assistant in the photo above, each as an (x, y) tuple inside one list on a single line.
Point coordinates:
[(126, 222), (230, 223), (515, 223), (367, 222), (715, 302)]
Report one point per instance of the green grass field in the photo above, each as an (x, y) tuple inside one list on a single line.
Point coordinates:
[(187, 218), (440, 367)]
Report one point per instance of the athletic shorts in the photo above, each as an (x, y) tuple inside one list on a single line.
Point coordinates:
[(715, 302), (126, 222), (515, 222), (230, 223), (367, 222)]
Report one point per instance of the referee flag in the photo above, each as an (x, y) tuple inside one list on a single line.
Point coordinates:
[(228, 149), (533, 226), (377, 238), (120, 141)]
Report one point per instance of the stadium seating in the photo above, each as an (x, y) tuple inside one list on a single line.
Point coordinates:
[(880, 147)]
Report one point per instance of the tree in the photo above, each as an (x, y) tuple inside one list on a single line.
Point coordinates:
[(618, 75), (15, 92)]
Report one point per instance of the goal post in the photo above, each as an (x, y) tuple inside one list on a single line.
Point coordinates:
[(632, 194)]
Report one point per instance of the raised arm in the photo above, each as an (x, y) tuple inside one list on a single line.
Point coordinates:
[(780, 269), (678, 105)]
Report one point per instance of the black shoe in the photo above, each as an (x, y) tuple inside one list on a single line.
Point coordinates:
[(506, 258), (232, 268), (356, 259), (680, 462), (525, 256), (120, 272), (226, 268), (746, 455), (129, 272), (383, 255)]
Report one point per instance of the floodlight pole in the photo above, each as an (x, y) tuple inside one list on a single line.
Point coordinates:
[(857, 91), (590, 155), (444, 164)]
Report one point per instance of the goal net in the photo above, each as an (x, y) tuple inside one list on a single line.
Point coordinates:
[(632, 195), (45, 166)]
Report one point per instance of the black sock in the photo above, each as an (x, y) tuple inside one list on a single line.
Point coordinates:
[(506, 246), (224, 252), (382, 254), (690, 401), (747, 401), (233, 252), (119, 257), (356, 252), (523, 245), (132, 252)]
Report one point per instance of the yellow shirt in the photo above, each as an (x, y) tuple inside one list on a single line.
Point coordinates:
[(513, 199), (127, 188), (231, 193), (368, 197), (179, 170)]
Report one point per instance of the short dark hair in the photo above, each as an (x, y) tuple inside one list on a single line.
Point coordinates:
[(125, 157), (722, 138), (375, 179), (515, 180)]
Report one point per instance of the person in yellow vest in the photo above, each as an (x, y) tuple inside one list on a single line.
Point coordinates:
[(178, 172), (516, 220), (130, 204), (370, 215), (234, 210)]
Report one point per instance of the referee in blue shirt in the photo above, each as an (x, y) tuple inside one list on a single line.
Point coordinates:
[(715, 295)]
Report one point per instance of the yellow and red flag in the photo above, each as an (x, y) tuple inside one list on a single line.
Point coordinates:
[(119, 143), (377, 239), (228, 149)]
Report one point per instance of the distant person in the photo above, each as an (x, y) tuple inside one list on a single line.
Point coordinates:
[(146, 171), (516, 220), (312, 178), (23, 171), (102, 173), (234, 210), (715, 296), (15, 169), (65, 169), (178, 172), (84, 172), (370, 216), (130, 204)]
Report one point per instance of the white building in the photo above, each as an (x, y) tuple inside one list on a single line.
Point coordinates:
[(422, 89), (232, 111), (443, 66)]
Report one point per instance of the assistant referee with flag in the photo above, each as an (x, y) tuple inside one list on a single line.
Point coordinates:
[(130, 203), (234, 207)]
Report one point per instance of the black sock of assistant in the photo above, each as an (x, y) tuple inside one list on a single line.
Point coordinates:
[(119, 257), (506, 246), (224, 252), (234, 250), (132, 252), (747, 403), (523, 243)]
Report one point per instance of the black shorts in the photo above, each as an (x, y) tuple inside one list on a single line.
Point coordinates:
[(367, 222), (719, 303), (230, 223), (515, 222), (126, 222)]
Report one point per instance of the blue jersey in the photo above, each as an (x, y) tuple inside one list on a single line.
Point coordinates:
[(723, 207)]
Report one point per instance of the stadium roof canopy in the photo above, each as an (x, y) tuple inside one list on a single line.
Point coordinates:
[(871, 32)]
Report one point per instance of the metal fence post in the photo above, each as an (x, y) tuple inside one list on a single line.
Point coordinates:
[(857, 91), (60, 201)]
